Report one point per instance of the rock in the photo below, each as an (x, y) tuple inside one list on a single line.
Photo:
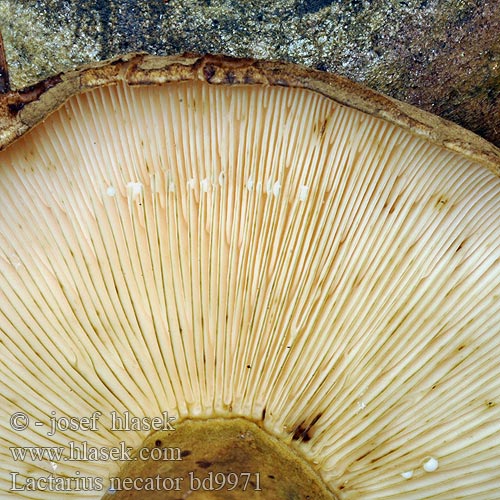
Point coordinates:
[(442, 57)]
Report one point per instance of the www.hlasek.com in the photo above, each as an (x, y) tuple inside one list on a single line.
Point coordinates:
[(84, 451)]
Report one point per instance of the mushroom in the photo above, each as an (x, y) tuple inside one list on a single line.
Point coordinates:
[(244, 271)]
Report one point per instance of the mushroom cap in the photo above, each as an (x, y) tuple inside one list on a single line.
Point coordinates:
[(257, 240)]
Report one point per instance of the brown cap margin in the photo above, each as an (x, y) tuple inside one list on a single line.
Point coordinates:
[(23, 109)]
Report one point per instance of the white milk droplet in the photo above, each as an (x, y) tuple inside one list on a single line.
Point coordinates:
[(303, 190), (431, 464), (361, 405), (111, 191), (408, 474), (15, 260), (134, 189)]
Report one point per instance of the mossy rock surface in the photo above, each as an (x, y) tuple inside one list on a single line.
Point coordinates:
[(441, 56)]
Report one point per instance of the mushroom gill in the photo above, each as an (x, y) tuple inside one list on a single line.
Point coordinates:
[(253, 253)]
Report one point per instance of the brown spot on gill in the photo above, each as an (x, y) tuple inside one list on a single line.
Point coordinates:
[(363, 456), (323, 128), (302, 432), (441, 202), (394, 204), (376, 459)]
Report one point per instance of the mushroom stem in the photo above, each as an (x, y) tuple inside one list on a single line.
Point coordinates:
[(216, 458)]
